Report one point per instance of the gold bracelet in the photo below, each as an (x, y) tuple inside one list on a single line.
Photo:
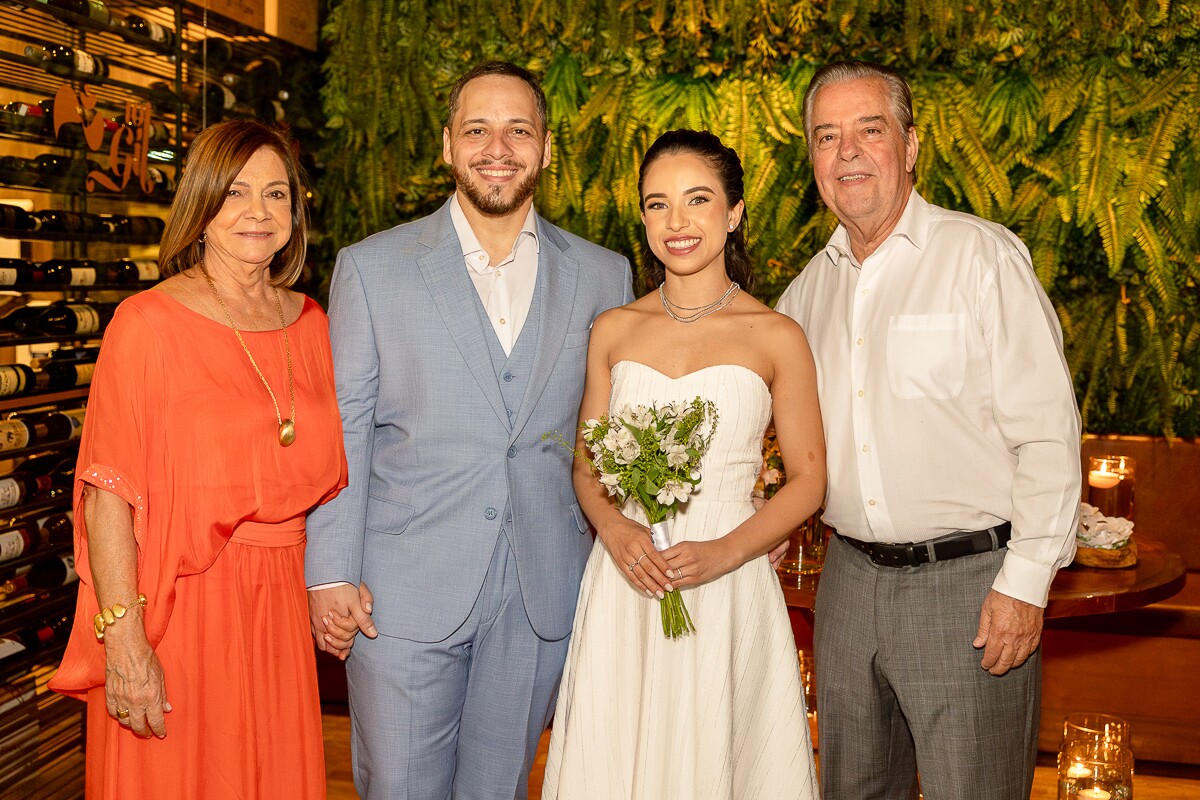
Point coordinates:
[(108, 616)]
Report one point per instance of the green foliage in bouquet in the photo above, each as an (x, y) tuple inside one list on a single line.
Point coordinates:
[(1077, 124)]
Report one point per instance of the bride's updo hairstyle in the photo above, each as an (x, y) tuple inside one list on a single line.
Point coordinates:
[(728, 167)]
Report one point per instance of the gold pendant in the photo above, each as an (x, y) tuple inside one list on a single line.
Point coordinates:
[(287, 432)]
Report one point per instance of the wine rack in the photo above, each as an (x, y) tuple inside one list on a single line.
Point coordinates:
[(98, 103)]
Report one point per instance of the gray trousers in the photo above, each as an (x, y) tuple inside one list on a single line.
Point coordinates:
[(900, 688), (460, 718)]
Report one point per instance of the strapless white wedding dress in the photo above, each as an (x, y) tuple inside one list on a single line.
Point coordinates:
[(718, 714)]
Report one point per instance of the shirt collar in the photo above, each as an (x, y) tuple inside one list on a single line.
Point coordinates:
[(470, 242), (913, 225)]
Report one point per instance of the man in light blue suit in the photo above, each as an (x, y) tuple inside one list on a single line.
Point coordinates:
[(458, 340)]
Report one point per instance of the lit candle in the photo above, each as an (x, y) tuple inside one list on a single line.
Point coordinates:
[(1078, 770), (1093, 794), (1102, 479)]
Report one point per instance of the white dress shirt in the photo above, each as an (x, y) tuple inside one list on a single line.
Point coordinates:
[(946, 399), (506, 289)]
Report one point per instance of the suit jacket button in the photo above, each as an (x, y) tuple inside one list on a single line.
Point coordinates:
[(508, 376), (490, 513), (512, 452)]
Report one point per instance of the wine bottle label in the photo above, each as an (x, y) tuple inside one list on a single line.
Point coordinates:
[(10, 495), (83, 276), (71, 575), (13, 543), (86, 319), (83, 374), (8, 277), (147, 270), (12, 381), (228, 98), (156, 32), (84, 63), (75, 417), (14, 435), (10, 647)]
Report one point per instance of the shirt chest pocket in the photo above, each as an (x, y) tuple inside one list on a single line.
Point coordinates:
[(927, 355)]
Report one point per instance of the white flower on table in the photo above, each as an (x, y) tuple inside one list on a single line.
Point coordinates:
[(1099, 531)]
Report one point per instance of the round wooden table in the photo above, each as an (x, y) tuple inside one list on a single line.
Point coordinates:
[(1077, 591)]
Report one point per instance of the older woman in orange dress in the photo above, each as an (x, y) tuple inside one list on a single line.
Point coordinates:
[(212, 431)]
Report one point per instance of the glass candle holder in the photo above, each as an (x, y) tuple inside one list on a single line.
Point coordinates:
[(1110, 483), (1095, 770), (806, 548), (1092, 726)]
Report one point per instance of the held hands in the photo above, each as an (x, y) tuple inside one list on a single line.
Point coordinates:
[(135, 691), (696, 563), (1009, 632), (337, 614), (630, 546)]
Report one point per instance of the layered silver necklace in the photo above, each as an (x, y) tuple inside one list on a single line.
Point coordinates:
[(693, 313)]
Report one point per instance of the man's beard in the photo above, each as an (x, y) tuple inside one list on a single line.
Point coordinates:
[(491, 201)]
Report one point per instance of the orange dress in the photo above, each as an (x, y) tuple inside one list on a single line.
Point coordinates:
[(181, 427)]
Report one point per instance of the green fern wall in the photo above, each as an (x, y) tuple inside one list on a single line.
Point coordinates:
[(1074, 122)]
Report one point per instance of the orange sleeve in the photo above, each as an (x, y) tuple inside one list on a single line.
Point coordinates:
[(123, 404)]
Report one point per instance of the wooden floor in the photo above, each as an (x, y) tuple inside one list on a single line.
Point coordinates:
[(341, 782)]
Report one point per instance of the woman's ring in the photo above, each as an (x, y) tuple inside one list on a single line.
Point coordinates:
[(643, 555), (679, 574), (631, 566), (122, 714)]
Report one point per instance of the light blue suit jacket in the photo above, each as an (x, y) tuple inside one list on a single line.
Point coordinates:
[(435, 464)]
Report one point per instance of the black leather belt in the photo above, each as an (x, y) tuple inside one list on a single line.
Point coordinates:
[(944, 548)]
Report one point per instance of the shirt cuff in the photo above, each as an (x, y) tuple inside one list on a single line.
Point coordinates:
[(329, 585), (1024, 580)]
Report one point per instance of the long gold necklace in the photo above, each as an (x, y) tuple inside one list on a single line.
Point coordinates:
[(287, 427)]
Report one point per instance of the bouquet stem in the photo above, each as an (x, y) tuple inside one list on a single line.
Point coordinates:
[(676, 620)]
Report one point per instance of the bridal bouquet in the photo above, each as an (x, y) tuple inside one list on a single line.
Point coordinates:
[(653, 454)]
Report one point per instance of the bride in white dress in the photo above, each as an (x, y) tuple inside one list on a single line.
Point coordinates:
[(719, 713)]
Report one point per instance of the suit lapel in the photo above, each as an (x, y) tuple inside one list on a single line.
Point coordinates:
[(454, 296), (561, 273)]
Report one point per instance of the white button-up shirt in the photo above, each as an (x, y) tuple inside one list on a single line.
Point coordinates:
[(506, 289), (946, 399)]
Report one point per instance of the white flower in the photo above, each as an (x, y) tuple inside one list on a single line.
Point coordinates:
[(676, 453), (639, 416), (673, 491), (769, 477), (1097, 530), (611, 482)]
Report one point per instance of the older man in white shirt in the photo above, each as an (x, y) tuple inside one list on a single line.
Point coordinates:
[(954, 479)]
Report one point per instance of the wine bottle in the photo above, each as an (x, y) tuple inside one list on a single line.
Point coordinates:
[(62, 60), (79, 7), (61, 173), (18, 540), (98, 12), (116, 272), (46, 573), (58, 221), (15, 695), (17, 218), (19, 487), (17, 171), (65, 375), (37, 637), (16, 379), (212, 53), (147, 270), (15, 271), (62, 318), (65, 271), (29, 429), (28, 118), (149, 29), (58, 529)]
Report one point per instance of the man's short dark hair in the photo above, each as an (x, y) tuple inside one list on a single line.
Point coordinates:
[(506, 69)]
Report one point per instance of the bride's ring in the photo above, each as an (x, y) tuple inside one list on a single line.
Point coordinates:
[(631, 566), (678, 574), (639, 561)]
